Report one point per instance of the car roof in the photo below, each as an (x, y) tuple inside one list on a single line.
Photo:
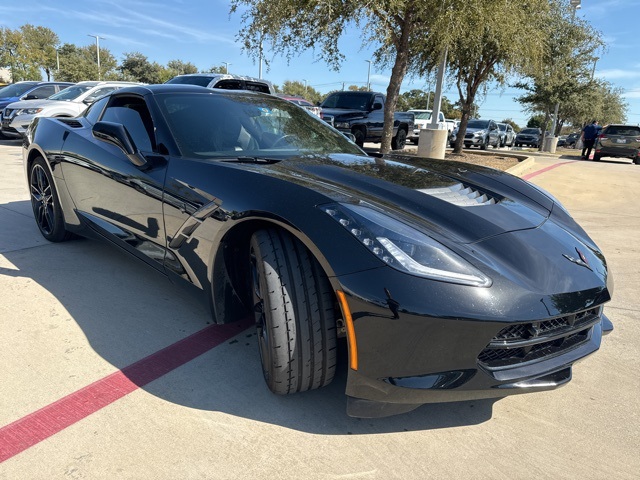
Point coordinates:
[(181, 88)]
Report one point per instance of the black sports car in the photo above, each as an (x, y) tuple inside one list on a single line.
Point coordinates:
[(448, 281)]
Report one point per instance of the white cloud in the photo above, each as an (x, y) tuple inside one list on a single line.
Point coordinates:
[(617, 73)]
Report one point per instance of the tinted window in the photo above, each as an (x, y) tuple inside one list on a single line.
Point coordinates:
[(503, 127), (93, 112), (530, 131), (478, 123), (210, 126), (16, 89), (201, 80), (624, 130), (132, 113), (257, 87), (42, 92), (348, 100)]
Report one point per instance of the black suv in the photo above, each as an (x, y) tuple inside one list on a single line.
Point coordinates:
[(618, 141), (529, 137)]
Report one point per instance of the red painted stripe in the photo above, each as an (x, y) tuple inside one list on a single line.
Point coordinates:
[(546, 169), (40, 425)]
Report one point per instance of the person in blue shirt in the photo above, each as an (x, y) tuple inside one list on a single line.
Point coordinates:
[(589, 134)]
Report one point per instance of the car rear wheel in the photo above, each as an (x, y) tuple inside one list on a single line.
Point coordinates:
[(359, 134), (45, 203), (294, 313)]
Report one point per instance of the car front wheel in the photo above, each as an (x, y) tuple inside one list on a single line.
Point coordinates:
[(294, 313), (45, 202)]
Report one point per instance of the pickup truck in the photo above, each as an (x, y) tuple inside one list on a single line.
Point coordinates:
[(362, 115), (423, 120)]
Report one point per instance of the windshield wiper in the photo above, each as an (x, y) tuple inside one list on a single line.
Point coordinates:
[(261, 160)]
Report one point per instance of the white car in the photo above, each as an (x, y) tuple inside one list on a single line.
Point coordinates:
[(422, 121), (70, 102)]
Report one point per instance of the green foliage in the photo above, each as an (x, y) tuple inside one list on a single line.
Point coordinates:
[(135, 67), (509, 121), (299, 89), (537, 121), (80, 63)]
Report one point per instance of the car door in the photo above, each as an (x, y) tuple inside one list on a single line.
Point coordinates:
[(375, 118), (118, 194)]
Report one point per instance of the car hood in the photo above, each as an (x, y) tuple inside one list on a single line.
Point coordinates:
[(33, 103), (474, 130), (464, 203)]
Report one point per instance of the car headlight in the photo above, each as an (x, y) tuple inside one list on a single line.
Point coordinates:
[(403, 247), (479, 133), (28, 111), (341, 125)]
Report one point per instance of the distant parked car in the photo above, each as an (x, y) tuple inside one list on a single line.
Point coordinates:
[(306, 104), (562, 141), (571, 140), (529, 137), (480, 133), (618, 141), (422, 121), (507, 135), (225, 81), (70, 102), (28, 91)]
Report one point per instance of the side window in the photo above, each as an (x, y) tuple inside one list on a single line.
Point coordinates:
[(42, 92), (378, 99), (93, 112), (132, 113)]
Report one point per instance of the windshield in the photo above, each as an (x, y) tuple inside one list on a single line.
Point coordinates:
[(478, 124), (423, 116), (16, 89), (502, 127), (203, 81), (71, 93), (246, 125), (347, 100), (530, 131)]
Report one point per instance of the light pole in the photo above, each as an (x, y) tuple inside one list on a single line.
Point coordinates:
[(368, 75), (97, 37), (226, 67), (305, 87)]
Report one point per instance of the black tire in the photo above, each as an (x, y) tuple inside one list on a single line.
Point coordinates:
[(485, 144), (596, 158), (400, 140), (294, 311), (45, 202), (636, 160), (360, 136)]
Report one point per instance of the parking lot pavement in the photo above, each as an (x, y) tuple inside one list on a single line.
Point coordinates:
[(110, 372)]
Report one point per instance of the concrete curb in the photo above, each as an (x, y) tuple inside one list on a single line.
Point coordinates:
[(526, 165)]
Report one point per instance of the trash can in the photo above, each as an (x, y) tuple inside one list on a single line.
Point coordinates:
[(550, 144)]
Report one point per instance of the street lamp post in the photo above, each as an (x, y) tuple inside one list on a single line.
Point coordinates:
[(97, 37), (368, 75), (226, 67)]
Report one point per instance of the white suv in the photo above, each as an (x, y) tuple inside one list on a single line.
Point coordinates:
[(70, 102)]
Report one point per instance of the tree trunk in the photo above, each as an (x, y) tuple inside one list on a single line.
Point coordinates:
[(398, 73)]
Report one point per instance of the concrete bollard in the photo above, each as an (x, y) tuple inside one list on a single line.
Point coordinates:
[(432, 143)]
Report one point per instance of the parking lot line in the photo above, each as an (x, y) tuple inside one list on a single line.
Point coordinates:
[(51, 419), (546, 169)]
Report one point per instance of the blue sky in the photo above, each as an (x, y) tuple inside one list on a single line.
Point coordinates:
[(203, 32)]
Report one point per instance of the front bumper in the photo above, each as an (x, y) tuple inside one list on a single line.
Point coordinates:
[(16, 126), (428, 343)]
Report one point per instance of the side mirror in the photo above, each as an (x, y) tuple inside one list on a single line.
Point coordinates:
[(89, 100), (31, 96), (116, 134), (377, 106)]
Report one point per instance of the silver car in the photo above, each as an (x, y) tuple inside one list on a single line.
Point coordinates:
[(70, 102)]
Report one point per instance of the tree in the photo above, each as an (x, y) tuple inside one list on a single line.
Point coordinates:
[(515, 126), (484, 49), (39, 44), (299, 89), (177, 67), (14, 55), (565, 73), (80, 63), (395, 28), (538, 121), (419, 99), (136, 67)]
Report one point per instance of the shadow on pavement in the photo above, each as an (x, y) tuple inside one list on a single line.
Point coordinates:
[(128, 311)]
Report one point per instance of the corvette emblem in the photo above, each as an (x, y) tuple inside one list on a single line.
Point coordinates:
[(581, 260)]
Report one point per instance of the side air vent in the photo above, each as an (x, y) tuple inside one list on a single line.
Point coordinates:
[(460, 195), (72, 122)]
